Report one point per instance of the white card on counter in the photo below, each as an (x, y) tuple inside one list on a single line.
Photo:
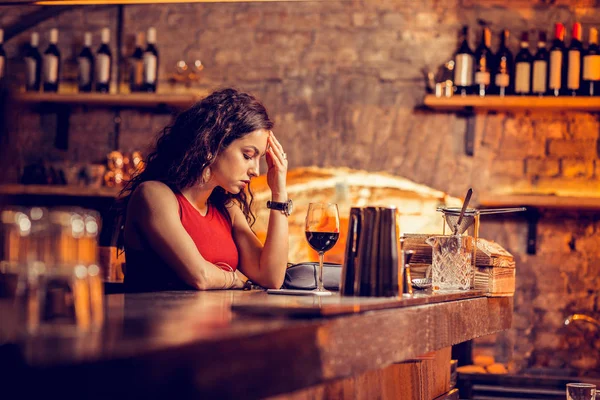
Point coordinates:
[(298, 292)]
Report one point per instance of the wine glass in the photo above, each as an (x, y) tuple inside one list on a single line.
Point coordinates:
[(322, 232)]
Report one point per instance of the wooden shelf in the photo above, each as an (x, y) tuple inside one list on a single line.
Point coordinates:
[(58, 190), (541, 201), (457, 103), (139, 100)]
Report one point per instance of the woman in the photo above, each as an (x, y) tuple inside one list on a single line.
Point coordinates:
[(188, 217)]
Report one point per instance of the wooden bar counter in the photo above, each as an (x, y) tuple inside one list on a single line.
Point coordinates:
[(239, 344)]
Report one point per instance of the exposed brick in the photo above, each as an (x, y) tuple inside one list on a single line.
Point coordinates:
[(297, 41), (249, 19), (341, 80), (218, 17), (585, 149), (583, 126), (227, 56), (426, 19), (542, 167), (519, 127), (375, 56), (380, 40), (363, 19), (393, 20), (577, 168), (287, 21), (514, 147), (336, 20), (508, 168), (549, 129)]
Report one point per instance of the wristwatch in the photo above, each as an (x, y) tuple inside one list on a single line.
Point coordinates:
[(285, 208)]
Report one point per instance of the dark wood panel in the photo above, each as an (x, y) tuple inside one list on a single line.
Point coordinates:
[(425, 378)]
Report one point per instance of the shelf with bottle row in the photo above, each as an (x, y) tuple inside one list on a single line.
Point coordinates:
[(58, 190), (512, 103)]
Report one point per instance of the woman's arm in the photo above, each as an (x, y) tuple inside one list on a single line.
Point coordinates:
[(266, 264), (155, 214)]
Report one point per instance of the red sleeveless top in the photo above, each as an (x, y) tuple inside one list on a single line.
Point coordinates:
[(146, 271), (211, 233)]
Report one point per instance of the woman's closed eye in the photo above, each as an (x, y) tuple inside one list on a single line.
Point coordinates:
[(247, 157)]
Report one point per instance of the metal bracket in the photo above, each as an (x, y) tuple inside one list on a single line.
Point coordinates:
[(533, 216), (55, 117), (469, 115), (117, 120)]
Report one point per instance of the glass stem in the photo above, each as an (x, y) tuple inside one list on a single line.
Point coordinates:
[(320, 274)]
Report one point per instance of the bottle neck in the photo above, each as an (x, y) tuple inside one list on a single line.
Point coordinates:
[(559, 32), (486, 38), (576, 34), (105, 36), (504, 39), (593, 36), (53, 37), (139, 40)]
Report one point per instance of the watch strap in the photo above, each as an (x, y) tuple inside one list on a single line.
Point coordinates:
[(284, 207), (275, 205)]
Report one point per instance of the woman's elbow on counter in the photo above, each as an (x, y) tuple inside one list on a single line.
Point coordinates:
[(200, 282), (201, 285), (275, 282)]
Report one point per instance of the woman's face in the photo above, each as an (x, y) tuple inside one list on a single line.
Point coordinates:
[(239, 162)]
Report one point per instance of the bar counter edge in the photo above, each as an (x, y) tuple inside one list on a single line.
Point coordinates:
[(199, 353)]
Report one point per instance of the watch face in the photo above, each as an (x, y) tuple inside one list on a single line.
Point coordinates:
[(290, 206)]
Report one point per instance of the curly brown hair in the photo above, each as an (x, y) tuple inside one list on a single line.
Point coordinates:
[(197, 136)]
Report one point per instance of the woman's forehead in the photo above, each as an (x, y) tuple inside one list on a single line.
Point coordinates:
[(257, 138)]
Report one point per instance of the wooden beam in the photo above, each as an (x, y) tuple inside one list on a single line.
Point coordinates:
[(31, 19)]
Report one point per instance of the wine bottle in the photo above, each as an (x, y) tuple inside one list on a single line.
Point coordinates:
[(2, 56), (463, 65), (150, 62), (575, 52), (33, 64), (557, 65), (483, 63), (52, 64), (523, 61), (591, 67), (103, 63), (539, 81), (136, 65), (85, 62), (504, 66)]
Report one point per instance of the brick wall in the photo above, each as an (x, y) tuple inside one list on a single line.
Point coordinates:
[(342, 80)]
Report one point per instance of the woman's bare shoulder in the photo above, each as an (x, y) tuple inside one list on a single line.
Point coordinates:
[(235, 211), (153, 194)]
